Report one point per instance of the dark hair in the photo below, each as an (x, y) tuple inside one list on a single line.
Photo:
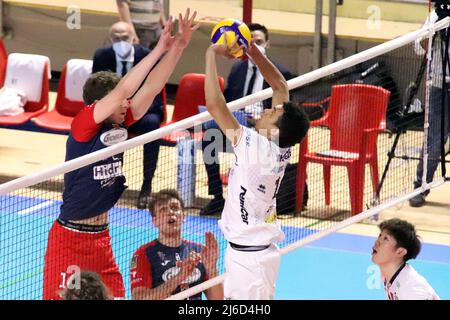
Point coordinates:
[(91, 288), (404, 234), (162, 197), (99, 85), (259, 27), (293, 125)]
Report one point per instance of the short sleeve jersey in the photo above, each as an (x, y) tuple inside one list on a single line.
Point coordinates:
[(154, 263), (95, 188), (249, 216), (408, 284)]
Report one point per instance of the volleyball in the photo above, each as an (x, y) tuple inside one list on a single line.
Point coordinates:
[(232, 29)]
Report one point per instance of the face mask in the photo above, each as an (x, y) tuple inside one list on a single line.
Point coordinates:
[(261, 48), (122, 48)]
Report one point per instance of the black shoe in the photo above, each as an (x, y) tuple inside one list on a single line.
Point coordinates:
[(214, 206), (417, 201), (143, 200)]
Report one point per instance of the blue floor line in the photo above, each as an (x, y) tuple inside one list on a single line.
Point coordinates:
[(334, 267)]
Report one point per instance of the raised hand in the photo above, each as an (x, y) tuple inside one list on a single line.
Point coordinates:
[(210, 253), (185, 29), (166, 39), (225, 49), (253, 50)]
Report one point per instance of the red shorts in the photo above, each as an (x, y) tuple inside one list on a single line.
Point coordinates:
[(70, 250)]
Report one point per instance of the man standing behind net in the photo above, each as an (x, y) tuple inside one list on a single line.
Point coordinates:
[(396, 244), (435, 113), (249, 221), (80, 236), (169, 264), (146, 17)]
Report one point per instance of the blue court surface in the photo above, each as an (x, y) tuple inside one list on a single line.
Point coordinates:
[(335, 267)]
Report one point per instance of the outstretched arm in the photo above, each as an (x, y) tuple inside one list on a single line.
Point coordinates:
[(130, 83), (215, 101), (272, 75), (160, 74)]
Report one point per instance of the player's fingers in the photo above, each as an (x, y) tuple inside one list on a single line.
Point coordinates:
[(234, 42), (196, 26), (225, 39), (168, 24), (210, 239), (194, 256), (186, 16), (191, 21), (180, 23)]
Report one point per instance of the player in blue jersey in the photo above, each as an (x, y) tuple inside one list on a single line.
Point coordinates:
[(79, 239), (169, 264)]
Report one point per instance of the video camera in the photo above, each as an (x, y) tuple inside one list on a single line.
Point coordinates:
[(442, 8)]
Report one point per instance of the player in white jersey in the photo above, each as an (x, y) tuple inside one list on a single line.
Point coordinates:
[(396, 244), (249, 220)]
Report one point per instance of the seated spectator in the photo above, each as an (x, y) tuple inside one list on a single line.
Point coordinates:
[(88, 287), (244, 79), (168, 264), (119, 58)]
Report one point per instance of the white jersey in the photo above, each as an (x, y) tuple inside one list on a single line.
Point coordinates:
[(249, 217), (409, 285)]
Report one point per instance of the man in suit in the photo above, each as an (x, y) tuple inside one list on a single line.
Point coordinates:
[(119, 58), (244, 79)]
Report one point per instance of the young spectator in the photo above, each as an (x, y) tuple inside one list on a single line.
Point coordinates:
[(169, 264)]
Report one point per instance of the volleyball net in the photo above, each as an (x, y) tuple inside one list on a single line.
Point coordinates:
[(370, 117)]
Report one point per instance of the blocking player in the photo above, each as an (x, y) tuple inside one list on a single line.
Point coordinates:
[(80, 236), (168, 265), (249, 220), (396, 244)]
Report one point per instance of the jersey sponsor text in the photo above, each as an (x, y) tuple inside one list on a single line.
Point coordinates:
[(108, 171)]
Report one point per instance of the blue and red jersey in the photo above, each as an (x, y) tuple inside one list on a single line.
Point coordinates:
[(154, 263), (95, 188)]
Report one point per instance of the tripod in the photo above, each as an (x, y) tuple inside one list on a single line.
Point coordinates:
[(412, 92)]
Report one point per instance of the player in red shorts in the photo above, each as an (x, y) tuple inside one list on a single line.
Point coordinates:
[(79, 239)]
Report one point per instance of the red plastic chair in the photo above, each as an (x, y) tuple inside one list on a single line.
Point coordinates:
[(3, 62), (60, 118), (190, 95), (32, 108), (356, 115)]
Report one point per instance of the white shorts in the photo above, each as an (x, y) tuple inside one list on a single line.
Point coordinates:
[(251, 275)]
